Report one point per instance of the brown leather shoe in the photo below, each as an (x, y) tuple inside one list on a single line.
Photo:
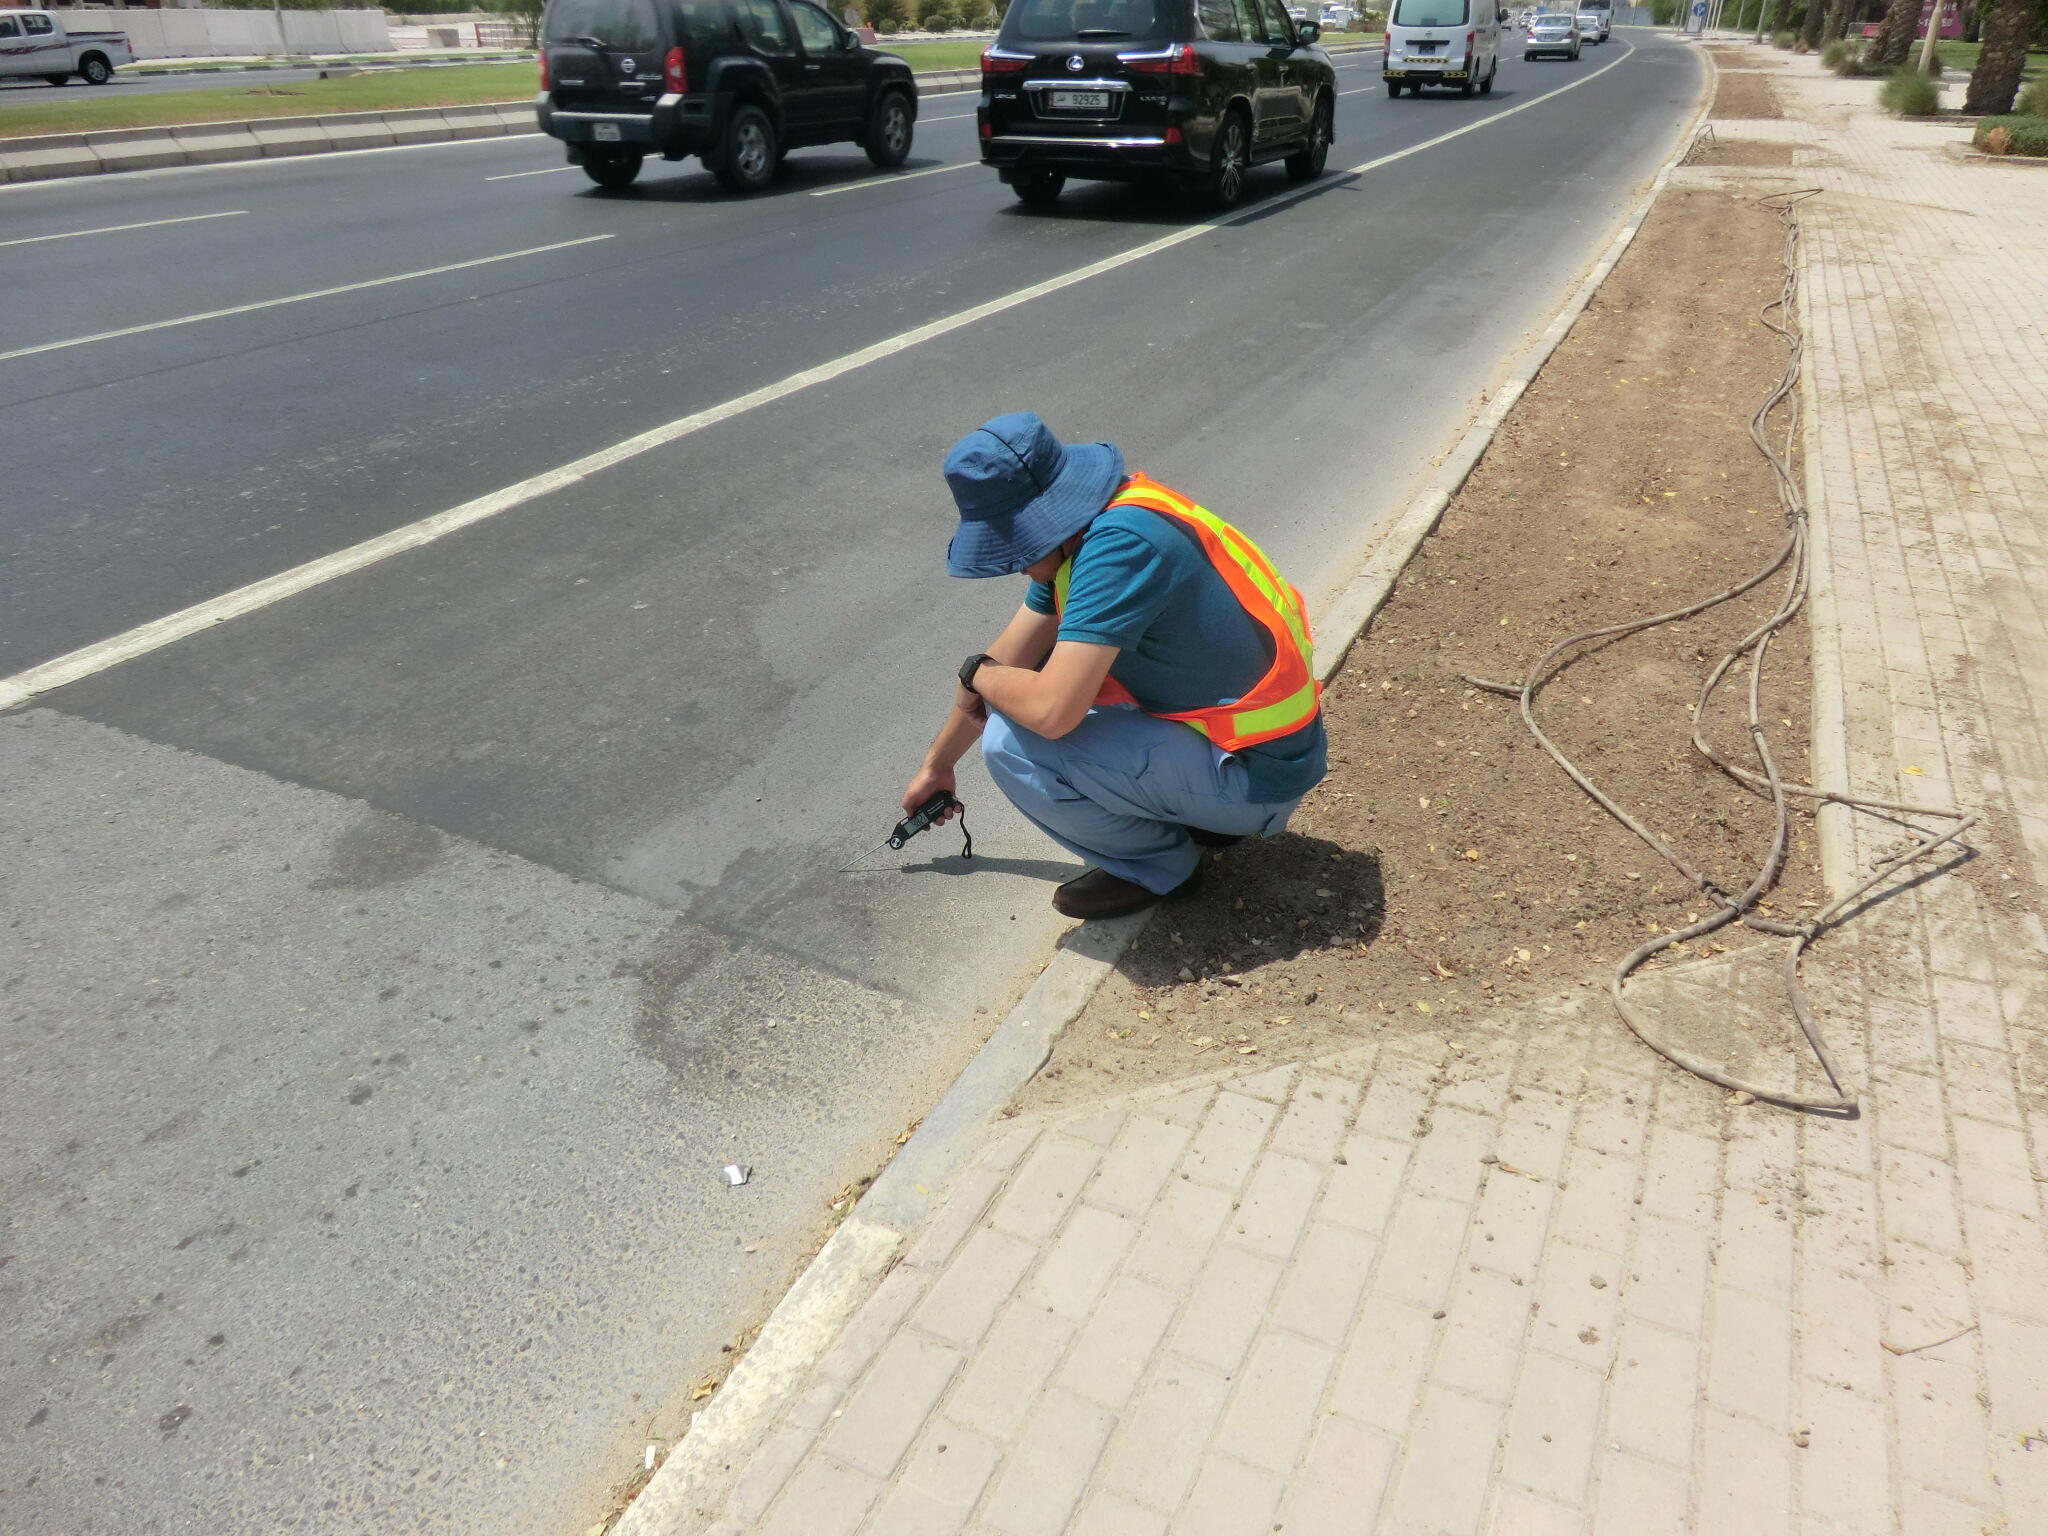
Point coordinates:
[(1098, 893)]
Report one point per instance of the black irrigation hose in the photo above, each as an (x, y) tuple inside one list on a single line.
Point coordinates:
[(1780, 315)]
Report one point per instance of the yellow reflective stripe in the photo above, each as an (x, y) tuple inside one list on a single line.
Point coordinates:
[(1060, 579), (1295, 710)]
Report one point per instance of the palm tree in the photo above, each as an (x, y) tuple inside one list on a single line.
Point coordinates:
[(1996, 79), (1895, 38)]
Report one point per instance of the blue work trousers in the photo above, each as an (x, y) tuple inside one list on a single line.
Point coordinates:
[(1122, 787)]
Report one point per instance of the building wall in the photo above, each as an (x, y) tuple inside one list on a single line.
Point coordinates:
[(183, 33)]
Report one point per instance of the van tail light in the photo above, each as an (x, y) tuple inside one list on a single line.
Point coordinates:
[(1387, 41), (1471, 44), (544, 69), (675, 73), (1179, 59), (999, 61)]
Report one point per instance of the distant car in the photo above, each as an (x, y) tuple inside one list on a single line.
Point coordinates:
[(1552, 33), (1190, 91), (44, 45), (738, 82), (1593, 26)]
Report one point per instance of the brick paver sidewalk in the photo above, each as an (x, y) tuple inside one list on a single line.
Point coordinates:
[(1522, 1278)]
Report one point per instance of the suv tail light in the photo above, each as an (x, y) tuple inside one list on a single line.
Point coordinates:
[(544, 69), (1000, 61), (1179, 59), (674, 74)]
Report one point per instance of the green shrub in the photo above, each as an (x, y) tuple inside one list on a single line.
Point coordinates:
[(2012, 135), (1784, 39), (1908, 93), (1843, 57), (2033, 100)]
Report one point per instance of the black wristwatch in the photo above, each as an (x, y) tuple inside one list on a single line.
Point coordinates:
[(971, 666)]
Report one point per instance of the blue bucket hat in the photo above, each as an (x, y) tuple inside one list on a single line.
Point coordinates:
[(1021, 493)]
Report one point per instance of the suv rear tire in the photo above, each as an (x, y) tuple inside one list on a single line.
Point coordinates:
[(613, 168), (889, 130), (1038, 189), (1307, 163), (1229, 159), (747, 155)]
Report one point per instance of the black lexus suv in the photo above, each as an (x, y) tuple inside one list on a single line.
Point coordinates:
[(1195, 91), (739, 82)]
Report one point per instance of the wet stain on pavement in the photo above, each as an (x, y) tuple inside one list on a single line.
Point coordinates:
[(380, 849)]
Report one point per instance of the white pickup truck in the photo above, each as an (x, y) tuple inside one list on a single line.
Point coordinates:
[(38, 44)]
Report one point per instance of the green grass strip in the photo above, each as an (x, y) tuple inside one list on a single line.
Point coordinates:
[(68, 112)]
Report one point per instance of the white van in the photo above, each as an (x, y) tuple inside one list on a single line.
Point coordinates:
[(1442, 42)]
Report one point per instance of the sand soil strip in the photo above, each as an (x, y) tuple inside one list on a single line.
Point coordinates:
[(1446, 866)]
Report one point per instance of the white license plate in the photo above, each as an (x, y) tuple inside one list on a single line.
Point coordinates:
[(607, 132), (1081, 101)]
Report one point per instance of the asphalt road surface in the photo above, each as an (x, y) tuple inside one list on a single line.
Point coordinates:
[(391, 967)]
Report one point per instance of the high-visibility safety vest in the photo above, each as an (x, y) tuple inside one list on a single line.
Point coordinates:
[(1287, 697)]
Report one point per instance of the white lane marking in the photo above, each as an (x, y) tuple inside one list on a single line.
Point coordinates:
[(102, 655), (515, 175), (304, 162), (294, 298), (115, 229), (883, 181)]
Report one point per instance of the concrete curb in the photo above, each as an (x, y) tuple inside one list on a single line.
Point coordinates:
[(866, 1245), (47, 156), (316, 63)]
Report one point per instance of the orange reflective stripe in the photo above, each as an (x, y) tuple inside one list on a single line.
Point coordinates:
[(1288, 696)]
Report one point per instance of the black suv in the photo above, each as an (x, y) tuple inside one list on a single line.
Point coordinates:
[(740, 82), (1196, 91)]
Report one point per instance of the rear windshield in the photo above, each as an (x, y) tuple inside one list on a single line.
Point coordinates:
[(624, 26), (1430, 13), (1045, 21)]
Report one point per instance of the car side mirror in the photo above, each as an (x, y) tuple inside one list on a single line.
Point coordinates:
[(1307, 33)]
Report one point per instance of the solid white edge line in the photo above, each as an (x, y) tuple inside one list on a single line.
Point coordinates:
[(101, 655), (547, 170), (294, 298), (75, 183), (115, 229), (883, 181)]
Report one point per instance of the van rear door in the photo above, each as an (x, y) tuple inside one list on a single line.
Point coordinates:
[(604, 55)]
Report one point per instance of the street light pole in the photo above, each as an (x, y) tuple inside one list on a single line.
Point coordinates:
[(1933, 32)]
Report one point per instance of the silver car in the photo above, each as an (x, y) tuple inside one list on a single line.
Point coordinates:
[(1593, 26), (1552, 32)]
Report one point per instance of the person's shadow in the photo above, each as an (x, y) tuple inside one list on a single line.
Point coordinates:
[(1265, 899)]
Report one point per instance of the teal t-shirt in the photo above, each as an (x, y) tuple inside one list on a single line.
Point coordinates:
[(1141, 583)]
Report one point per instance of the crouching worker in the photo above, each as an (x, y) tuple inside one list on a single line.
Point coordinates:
[(1152, 696)]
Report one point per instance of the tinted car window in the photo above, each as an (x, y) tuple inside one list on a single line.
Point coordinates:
[(699, 23), (814, 29), (1251, 21), (1429, 13), (761, 24), (1278, 28), (1058, 20), (1219, 20), (8, 28), (35, 26), (623, 26)]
